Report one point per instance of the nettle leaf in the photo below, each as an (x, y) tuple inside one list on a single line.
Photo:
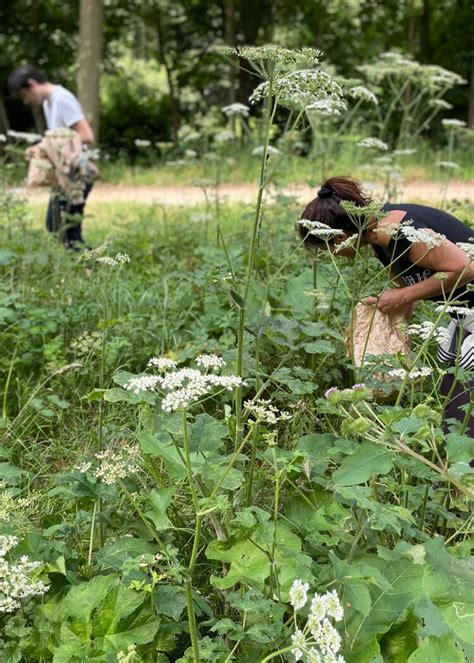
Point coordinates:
[(160, 499), (438, 650), (359, 467), (449, 583)]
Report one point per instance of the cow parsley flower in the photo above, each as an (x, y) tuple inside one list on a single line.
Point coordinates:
[(401, 373), (460, 310), (299, 594), (373, 142), (224, 136), (404, 153), (162, 363), (271, 151), (210, 362), (427, 330), (440, 103), (299, 89), (448, 164), (18, 580), (363, 93), (453, 122), (467, 247), (112, 464), (24, 136), (263, 410), (426, 236), (235, 109), (277, 54), (142, 383), (141, 143), (319, 229), (318, 641), (298, 640)]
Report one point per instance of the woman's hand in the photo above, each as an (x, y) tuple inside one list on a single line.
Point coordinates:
[(392, 301)]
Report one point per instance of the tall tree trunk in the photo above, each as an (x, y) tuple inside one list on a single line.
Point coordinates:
[(426, 32), (4, 120), (91, 22), (470, 115), (411, 31), (172, 87), (231, 40)]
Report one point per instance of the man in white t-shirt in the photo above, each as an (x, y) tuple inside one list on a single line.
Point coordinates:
[(61, 110)]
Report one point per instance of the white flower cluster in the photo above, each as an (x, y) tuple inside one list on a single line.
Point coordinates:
[(373, 142), (3, 138), (210, 362), (460, 310), (236, 109), (162, 363), (363, 93), (328, 106), (467, 247), (24, 136), (453, 122), (224, 136), (439, 103), (404, 153), (129, 656), (427, 330), (263, 410), (300, 89), (319, 641), (273, 53), (271, 151), (318, 229), (112, 464), (119, 259), (17, 581), (186, 385), (97, 255), (426, 236), (448, 164), (401, 373), (141, 143)]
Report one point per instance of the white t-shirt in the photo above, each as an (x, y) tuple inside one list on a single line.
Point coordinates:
[(61, 109)]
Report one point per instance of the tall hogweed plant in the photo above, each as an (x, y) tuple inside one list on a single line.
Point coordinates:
[(253, 495)]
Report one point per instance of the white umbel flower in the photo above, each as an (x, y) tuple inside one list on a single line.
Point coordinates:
[(299, 594), (162, 363), (373, 143), (210, 362), (363, 93), (298, 640), (453, 122)]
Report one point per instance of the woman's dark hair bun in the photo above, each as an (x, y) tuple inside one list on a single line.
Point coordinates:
[(325, 192)]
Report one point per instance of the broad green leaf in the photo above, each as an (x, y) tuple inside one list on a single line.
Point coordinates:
[(10, 473), (82, 599), (359, 467), (114, 555), (207, 434), (160, 499), (170, 601), (320, 346), (137, 635), (118, 604), (437, 650), (449, 582)]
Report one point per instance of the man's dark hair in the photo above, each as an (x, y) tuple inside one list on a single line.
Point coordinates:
[(20, 77)]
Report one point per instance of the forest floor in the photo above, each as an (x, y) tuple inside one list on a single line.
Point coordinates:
[(431, 192)]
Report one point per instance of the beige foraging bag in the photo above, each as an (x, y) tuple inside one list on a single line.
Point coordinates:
[(375, 333)]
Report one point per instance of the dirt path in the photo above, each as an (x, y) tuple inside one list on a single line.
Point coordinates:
[(428, 192)]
